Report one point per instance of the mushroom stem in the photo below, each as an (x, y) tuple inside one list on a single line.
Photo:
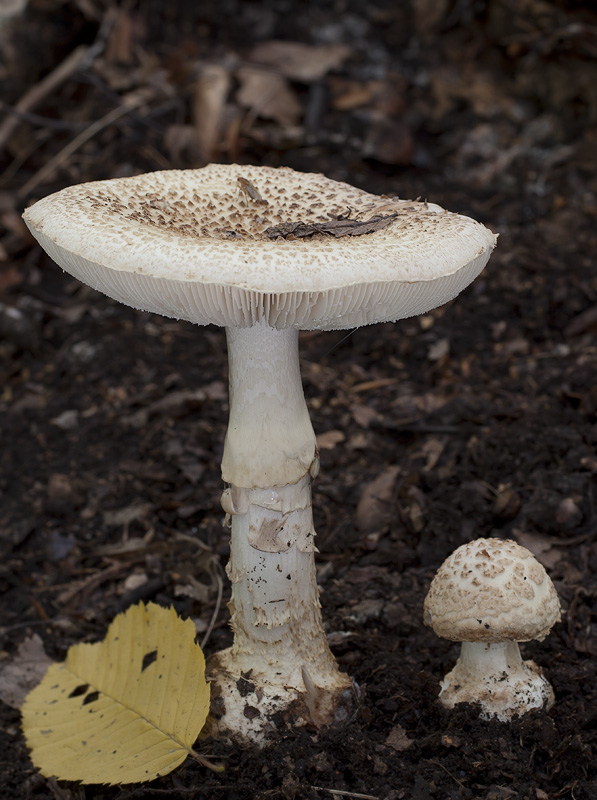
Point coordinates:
[(495, 676), (270, 439), (269, 457)]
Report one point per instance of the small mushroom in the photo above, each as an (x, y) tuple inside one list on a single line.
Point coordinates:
[(264, 253), (491, 594)]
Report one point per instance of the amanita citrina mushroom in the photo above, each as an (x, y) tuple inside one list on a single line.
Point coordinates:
[(264, 253)]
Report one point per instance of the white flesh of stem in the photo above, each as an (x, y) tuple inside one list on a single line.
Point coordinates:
[(495, 676), (279, 642)]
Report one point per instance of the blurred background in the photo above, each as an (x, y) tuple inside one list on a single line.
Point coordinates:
[(495, 96)]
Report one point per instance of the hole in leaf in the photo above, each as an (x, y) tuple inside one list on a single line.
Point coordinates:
[(79, 690), (148, 659), (91, 698)]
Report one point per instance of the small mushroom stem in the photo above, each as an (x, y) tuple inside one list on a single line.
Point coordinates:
[(495, 676), (269, 458)]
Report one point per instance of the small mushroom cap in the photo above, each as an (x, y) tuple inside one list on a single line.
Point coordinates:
[(491, 590), (224, 245)]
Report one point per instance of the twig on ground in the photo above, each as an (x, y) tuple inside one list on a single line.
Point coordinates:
[(341, 793), (42, 89), (216, 611), (35, 143), (31, 624), (206, 762), (67, 151), (40, 121), (92, 582), (179, 790), (454, 778)]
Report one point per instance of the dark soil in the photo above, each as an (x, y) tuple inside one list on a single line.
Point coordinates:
[(112, 421)]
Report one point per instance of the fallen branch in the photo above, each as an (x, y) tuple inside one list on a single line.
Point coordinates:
[(67, 151), (341, 793), (41, 90)]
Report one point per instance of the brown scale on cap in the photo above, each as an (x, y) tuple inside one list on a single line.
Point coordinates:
[(491, 590), (199, 205)]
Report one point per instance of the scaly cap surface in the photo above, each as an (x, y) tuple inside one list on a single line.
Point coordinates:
[(224, 245), (491, 590)]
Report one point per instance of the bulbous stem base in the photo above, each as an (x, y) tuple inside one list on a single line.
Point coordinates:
[(495, 677)]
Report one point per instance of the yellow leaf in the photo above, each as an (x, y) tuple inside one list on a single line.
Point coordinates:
[(124, 710)]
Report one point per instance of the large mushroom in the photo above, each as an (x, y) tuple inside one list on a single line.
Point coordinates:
[(264, 253)]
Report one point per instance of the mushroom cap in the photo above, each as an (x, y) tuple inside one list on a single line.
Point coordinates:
[(224, 245), (491, 590)]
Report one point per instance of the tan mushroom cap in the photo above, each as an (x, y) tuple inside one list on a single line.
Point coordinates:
[(491, 590), (198, 245)]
